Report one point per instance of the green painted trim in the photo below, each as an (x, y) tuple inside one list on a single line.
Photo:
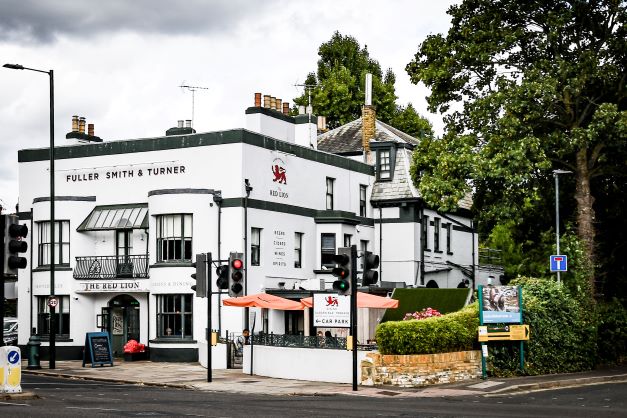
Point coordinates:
[(57, 267), (234, 136), (174, 355), (65, 199), (180, 191), (271, 113), (320, 216), (301, 119), (172, 264), (480, 297), (25, 216)]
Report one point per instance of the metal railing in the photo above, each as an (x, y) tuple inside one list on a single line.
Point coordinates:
[(112, 267), (302, 341), (489, 256)]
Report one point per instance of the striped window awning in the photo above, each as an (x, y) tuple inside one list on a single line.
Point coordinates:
[(109, 217)]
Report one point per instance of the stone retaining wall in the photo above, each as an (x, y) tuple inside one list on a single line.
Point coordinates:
[(420, 370)]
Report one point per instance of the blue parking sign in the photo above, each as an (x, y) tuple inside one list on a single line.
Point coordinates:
[(559, 263)]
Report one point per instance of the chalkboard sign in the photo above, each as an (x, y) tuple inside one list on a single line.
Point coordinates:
[(97, 349)]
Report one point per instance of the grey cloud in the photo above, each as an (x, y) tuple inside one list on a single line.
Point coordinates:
[(26, 21)]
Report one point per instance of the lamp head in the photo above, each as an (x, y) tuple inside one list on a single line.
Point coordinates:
[(556, 172), (14, 66)]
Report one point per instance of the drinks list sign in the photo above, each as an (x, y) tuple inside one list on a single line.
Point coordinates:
[(97, 349)]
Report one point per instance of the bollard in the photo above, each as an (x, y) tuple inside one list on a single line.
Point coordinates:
[(33, 353)]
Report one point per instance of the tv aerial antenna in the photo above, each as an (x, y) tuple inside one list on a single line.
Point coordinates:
[(193, 90)]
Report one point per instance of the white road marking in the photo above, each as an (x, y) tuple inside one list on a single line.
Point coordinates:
[(14, 404)]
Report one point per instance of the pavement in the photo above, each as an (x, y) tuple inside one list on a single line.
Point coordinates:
[(193, 376)]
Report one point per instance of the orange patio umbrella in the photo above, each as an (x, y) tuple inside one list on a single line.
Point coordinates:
[(264, 300), (364, 300)]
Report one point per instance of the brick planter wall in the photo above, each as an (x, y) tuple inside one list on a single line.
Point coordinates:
[(421, 369)]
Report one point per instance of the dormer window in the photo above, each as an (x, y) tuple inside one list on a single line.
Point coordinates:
[(384, 166)]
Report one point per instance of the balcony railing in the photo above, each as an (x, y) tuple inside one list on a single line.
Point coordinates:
[(301, 341), (112, 267)]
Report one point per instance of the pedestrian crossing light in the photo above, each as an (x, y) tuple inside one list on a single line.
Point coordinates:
[(13, 245), (223, 276), (236, 275), (200, 275), (342, 271), (370, 275)]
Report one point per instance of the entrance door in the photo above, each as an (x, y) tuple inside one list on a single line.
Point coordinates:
[(123, 322)]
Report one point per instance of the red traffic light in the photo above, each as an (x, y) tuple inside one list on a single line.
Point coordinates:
[(237, 264)]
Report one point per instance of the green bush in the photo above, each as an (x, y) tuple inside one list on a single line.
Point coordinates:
[(452, 332), (612, 337), (562, 332)]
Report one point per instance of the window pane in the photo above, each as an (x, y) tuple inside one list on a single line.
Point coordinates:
[(188, 225), (328, 241)]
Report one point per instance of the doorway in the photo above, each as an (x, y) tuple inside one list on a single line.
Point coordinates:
[(121, 321)]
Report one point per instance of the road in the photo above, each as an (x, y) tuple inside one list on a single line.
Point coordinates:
[(69, 398)]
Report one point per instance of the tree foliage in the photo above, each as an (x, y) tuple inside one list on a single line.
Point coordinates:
[(542, 87), (337, 88)]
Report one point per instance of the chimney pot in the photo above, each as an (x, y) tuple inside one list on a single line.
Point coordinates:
[(322, 123), (278, 104), (90, 129), (368, 89), (301, 110), (273, 102), (75, 123), (286, 108), (180, 123), (81, 125), (257, 99), (188, 123), (266, 100)]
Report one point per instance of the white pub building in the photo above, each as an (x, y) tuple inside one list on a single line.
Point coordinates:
[(131, 215)]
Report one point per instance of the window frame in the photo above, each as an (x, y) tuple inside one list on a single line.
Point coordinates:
[(330, 185), (436, 235), (255, 246), (62, 315), (62, 254), (325, 252), (184, 239), (425, 232), (298, 249), (348, 238), (449, 237), (384, 160), (363, 192), (186, 316)]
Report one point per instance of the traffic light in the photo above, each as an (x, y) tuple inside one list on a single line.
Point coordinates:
[(236, 276), (200, 276), (222, 282), (343, 271), (371, 262), (13, 235)]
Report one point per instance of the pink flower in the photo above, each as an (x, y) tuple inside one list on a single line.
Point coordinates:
[(425, 313)]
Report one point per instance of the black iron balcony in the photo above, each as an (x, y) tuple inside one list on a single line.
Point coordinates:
[(112, 267)]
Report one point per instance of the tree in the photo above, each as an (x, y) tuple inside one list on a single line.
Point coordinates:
[(543, 87), (338, 87)]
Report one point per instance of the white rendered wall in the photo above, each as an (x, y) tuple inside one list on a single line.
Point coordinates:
[(316, 365), (218, 355)]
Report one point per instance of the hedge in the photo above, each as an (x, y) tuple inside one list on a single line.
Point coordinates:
[(562, 333), (456, 331)]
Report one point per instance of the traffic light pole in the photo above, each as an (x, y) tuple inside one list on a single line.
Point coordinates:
[(2, 226), (209, 331), (354, 311)]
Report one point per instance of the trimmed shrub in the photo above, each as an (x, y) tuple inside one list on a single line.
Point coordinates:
[(563, 332), (456, 331)]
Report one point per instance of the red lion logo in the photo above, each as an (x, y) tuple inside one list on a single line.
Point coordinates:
[(331, 301), (279, 174)]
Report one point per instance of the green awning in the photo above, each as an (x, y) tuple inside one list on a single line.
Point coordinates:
[(108, 217)]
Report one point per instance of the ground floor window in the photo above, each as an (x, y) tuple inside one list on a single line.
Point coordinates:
[(62, 316), (174, 316)]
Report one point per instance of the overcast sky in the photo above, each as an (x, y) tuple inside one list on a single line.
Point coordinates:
[(119, 62)]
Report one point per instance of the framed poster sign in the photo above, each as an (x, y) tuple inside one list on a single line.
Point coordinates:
[(500, 304), (97, 349)]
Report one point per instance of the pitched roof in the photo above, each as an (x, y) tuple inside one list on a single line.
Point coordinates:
[(401, 185), (347, 138)]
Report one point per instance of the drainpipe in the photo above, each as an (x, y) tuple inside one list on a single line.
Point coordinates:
[(147, 294), (423, 237), (31, 272), (380, 245), (248, 189), (217, 198)]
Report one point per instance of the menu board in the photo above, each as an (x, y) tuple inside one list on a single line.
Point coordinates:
[(97, 349)]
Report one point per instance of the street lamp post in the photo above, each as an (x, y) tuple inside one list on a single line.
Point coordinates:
[(52, 348), (556, 174)]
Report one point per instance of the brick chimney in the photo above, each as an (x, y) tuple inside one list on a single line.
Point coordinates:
[(368, 119)]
